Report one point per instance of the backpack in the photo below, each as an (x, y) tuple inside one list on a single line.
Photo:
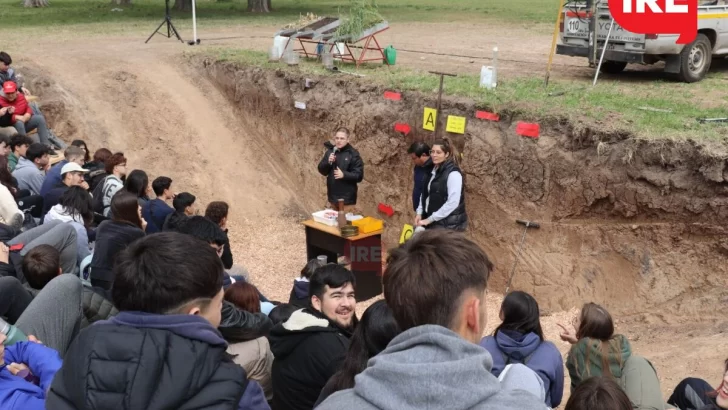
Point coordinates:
[(98, 196)]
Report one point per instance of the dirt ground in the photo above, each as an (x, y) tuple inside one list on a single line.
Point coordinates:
[(664, 277)]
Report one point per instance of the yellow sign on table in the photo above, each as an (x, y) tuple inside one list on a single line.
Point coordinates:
[(455, 124), (407, 232), (429, 119)]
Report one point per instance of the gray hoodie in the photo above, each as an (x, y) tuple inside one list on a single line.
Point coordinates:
[(430, 367), (29, 176)]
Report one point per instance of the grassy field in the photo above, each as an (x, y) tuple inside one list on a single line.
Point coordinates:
[(74, 12), (650, 109)]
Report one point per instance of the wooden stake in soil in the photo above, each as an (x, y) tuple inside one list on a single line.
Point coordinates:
[(439, 100)]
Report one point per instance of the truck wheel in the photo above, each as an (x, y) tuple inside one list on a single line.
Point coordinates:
[(695, 59), (613, 67)]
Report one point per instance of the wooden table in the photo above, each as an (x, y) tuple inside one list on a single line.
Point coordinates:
[(364, 251)]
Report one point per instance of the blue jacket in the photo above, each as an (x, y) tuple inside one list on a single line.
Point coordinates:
[(52, 178), (419, 175), (155, 212), (16, 393), (545, 359)]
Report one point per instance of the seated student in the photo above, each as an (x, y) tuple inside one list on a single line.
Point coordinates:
[(372, 335), (71, 176), (435, 285), (31, 169), (10, 213), (598, 393), (24, 201), (598, 351), (184, 207), (26, 372), (41, 266), (76, 208), (311, 346), (19, 145), (114, 235), (697, 394), (97, 168), (53, 176), (282, 313), (299, 293), (137, 182), (115, 167), (157, 210), (519, 339), (4, 145), (253, 355), (24, 120), (56, 234), (86, 153), (217, 211), (162, 351)]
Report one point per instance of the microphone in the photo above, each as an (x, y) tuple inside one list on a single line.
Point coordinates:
[(336, 149)]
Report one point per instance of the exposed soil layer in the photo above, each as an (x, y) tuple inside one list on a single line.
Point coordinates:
[(637, 225)]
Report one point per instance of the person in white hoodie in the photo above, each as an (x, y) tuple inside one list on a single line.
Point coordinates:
[(76, 208)]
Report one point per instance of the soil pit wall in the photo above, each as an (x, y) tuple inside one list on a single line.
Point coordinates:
[(637, 225)]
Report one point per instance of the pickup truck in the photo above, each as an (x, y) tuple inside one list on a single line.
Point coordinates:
[(689, 62)]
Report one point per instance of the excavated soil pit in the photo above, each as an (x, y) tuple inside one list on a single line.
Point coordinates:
[(636, 225)]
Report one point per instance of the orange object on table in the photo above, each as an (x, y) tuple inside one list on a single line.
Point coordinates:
[(368, 224)]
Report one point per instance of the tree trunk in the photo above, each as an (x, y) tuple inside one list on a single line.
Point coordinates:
[(183, 5), (35, 3), (259, 6), (121, 2)]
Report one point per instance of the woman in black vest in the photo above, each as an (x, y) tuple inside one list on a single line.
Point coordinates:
[(442, 204)]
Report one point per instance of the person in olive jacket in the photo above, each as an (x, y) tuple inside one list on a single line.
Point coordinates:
[(343, 168)]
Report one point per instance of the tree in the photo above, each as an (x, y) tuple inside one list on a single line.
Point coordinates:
[(35, 3), (259, 6)]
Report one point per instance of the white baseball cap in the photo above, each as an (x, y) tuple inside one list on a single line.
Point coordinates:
[(72, 166)]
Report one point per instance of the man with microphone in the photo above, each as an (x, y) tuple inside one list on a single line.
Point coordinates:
[(343, 168)]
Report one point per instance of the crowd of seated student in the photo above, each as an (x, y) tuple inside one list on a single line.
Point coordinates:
[(163, 321)]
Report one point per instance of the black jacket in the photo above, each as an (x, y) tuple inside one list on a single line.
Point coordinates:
[(111, 238), (6, 120), (53, 198), (350, 163), (93, 302), (308, 350), (96, 174), (153, 362), (240, 326), (437, 192), (227, 253)]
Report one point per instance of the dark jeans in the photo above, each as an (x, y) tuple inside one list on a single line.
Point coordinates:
[(691, 394), (14, 298), (103, 284)]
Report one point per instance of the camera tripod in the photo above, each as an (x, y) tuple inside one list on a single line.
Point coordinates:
[(170, 27)]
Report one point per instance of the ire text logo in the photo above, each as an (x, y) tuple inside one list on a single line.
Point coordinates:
[(657, 17)]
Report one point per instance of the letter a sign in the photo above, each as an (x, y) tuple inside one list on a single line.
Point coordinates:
[(428, 122), (657, 17)]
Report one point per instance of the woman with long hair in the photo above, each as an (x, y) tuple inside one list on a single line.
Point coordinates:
[(10, 214), (519, 339), (697, 394), (596, 350), (375, 330), (75, 207), (114, 235), (137, 183), (82, 144), (252, 355), (442, 203)]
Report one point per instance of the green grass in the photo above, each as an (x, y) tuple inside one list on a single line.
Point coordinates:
[(75, 12), (610, 106)]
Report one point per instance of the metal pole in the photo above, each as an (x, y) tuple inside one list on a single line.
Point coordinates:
[(593, 32), (604, 50), (553, 43), (194, 22), (439, 99)]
